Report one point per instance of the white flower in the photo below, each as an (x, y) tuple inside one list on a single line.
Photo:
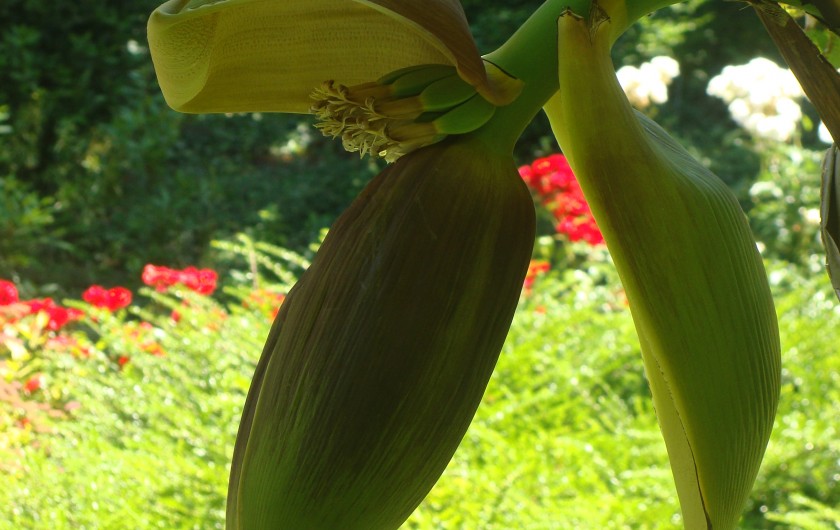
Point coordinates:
[(810, 215), (649, 82), (787, 108), (740, 110), (668, 66), (134, 48), (775, 128), (761, 97)]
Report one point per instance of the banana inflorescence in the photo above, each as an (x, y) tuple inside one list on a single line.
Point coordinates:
[(694, 279), (380, 354), (403, 110)]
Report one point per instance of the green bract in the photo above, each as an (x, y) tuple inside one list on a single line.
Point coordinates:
[(694, 279)]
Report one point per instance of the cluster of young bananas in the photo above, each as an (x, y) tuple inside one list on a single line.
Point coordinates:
[(403, 110), (694, 279)]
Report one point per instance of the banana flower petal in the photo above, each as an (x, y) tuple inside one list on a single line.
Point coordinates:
[(269, 55)]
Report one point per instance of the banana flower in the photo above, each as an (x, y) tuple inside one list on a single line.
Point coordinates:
[(380, 354)]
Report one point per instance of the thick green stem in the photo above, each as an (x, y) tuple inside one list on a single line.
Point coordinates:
[(531, 56)]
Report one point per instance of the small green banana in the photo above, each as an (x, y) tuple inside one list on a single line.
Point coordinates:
[(466, 117), (381, 353), (417, 78), (445, 93), (427, 95), (696, 285)]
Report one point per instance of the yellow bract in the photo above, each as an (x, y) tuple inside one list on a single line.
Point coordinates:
[(269, 55)]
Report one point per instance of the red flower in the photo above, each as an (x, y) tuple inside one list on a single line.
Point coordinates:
[(37, 305), (96, 295), (552, 180), (273, 313), (111, 299), (34, 383), (119, 297), (153, 348), (581, 229), (8, 293), (202, 281), (58, 316), (548, 175), (527, 174), (122, 360), (158, 277)]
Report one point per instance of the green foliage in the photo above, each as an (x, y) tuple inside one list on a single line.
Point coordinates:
[(566, 436), (784, 204), (26, 224), (812, 515), (64, 68)]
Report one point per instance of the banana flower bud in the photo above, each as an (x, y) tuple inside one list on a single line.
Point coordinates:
[(380, 354)]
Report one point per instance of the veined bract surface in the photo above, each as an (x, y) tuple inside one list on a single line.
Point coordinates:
[(381, 353)]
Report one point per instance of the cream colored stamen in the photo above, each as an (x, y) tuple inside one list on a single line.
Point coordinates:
[(363, 125)]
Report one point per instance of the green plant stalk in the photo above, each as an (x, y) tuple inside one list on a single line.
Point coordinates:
[(530, 55)]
